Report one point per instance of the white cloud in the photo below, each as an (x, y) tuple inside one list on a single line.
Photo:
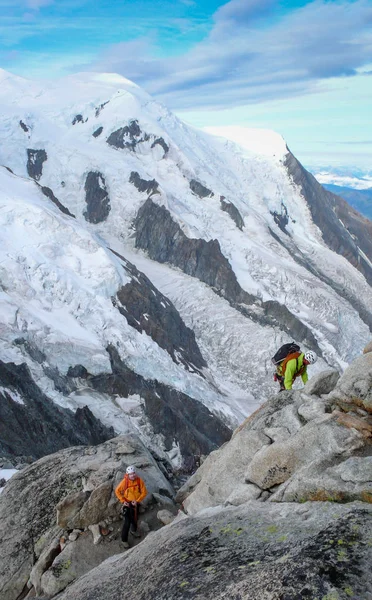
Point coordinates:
[(284, 56)]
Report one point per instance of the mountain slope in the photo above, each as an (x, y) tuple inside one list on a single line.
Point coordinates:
[(144, 259), (360, 200)]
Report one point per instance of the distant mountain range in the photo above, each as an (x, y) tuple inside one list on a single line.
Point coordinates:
[(353, 185), (361, 200)]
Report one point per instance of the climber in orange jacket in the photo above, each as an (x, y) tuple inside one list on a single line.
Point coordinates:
[(130, 491)]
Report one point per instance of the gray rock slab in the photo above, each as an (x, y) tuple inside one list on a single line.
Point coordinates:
[(28, 507), (318, 439), (243, 492), (76, 559), (322, 383), (223, 470), (68, 508), (312, 409), (165, 516), (355, 385), (163, 500), (356, 469), (259, 551), (319, 481), (44, 561)]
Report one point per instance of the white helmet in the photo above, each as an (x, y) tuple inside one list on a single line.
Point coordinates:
[(310, 356), (130, 470)]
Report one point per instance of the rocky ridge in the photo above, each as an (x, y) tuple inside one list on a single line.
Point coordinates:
[(59, 517), (282, 511), (302, 445)]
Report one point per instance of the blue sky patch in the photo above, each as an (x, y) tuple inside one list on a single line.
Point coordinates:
[(210, 59)]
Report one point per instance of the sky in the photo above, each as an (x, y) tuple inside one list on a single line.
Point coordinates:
[(301, 68)]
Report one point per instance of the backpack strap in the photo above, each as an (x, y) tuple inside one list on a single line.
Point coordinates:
[(283, 365), (299, 371)]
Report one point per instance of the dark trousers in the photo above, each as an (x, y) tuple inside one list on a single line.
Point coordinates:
[(280, 380), (130, 519)]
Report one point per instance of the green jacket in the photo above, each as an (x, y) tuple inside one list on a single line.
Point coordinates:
[(294, 368)]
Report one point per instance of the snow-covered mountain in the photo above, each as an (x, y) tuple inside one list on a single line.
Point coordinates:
[(150, 270)]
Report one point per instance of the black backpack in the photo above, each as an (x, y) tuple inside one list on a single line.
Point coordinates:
[(283, 352)]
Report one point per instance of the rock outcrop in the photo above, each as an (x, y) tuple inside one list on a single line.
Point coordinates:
[(264, 552), (311, 444), (96, 197), (79, 119), (59, 517), (172, 414), (282, 511), (131, 137), (49, 194), (144, 185), (200, 190), (164, 240), (32, 425), (231, 210), (97, 132), (35, 160), (126, 137), (24, 126), (146, 309)]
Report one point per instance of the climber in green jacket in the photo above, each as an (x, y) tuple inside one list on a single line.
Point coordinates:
[(293, 366)]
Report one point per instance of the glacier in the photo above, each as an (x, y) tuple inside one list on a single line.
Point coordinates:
[(97, 144)]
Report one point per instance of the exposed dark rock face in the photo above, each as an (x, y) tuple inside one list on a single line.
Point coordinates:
[(77, 371), (173, 414), (31, 424), (131, 135), (163, 239), (100, 107), (200, 190), (143, 185), (231, 209), (24, 126), (97, 132), (146, 309), (160, 141), (35, 353), (96, 197), (61, 383), (35, 160), (258, 551), (49, 194), (327, 210), (126, 137), (278, 315), (79, 119), (281, 219)]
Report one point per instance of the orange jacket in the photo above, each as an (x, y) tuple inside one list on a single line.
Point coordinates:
[(128, 490)]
